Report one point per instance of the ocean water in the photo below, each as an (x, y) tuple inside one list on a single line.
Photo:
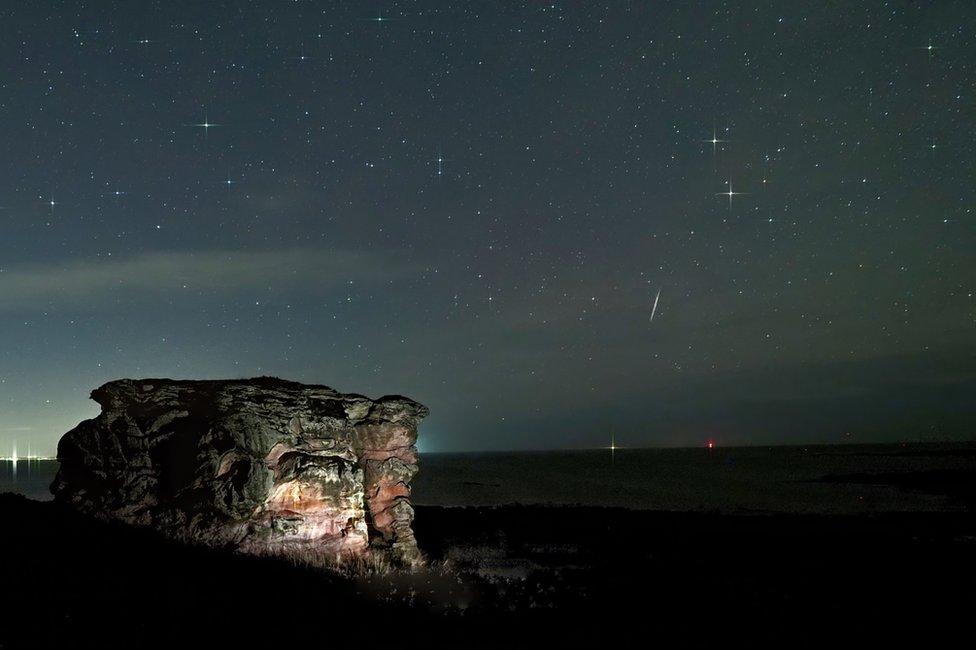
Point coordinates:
[(743, 479), (30, 478)]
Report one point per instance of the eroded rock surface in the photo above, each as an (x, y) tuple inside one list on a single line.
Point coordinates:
[(261, 465)]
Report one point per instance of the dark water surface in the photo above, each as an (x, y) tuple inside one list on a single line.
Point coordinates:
[(30, 478), (815, 479)]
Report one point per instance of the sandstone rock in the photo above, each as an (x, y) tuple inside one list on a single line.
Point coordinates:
[(260, 465)]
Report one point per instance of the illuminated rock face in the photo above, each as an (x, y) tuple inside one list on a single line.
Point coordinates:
[(260, 465)]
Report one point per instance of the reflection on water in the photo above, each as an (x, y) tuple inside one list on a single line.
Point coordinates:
[(29, 477)]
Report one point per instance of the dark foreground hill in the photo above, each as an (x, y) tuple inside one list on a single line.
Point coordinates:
[(504, 577)]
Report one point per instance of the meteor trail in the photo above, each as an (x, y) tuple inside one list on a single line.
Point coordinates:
[(654, 308)]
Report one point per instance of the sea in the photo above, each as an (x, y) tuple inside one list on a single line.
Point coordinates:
[(813, 479)]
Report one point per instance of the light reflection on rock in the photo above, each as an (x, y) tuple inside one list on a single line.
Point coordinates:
[(262, 465)]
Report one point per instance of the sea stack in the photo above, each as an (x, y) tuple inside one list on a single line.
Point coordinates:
[(263, 466)]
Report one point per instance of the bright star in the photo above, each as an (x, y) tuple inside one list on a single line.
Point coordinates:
[(714, 139), (301, 56), (729, 193), (930, 49), (206, 125), (714, 142)]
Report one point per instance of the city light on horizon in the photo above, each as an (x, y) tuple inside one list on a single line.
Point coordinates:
[(15, 458)]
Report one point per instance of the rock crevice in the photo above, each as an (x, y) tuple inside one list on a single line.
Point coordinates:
[(261, 465)]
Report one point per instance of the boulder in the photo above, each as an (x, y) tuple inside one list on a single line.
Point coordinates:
[(264, 466)]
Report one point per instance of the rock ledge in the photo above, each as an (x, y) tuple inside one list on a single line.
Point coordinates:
[(262, 465)]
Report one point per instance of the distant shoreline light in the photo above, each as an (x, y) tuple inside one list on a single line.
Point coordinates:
[(17, 459)]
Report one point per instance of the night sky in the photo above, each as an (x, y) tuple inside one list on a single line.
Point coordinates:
[(478, 204)]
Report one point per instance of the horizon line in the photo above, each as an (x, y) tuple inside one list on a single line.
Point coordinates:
[(617, 447)]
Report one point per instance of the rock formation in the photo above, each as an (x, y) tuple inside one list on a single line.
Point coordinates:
[(260, 465)]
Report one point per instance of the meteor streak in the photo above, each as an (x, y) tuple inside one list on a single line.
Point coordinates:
[(654, 308)]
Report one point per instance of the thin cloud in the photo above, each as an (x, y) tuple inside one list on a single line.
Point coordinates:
[(211, 271)]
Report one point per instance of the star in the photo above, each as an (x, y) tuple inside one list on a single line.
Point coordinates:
[(440, 163), (714, 140), (206, 125), (301, 57), (929, 49), (729, 193)]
